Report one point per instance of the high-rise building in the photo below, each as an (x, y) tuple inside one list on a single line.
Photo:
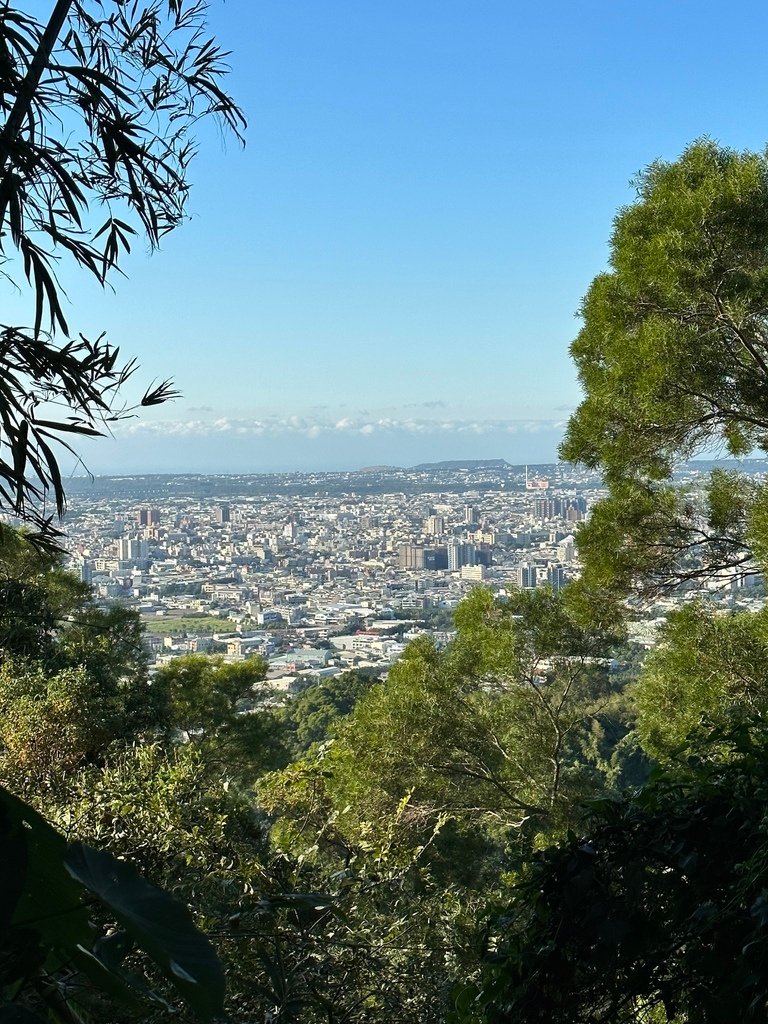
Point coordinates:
[(471, 515), (556, 577), (132, 549), (483, 554), (148, 517), (527, 577), (435, 558), (460, 555), (222, 514), (416, 556), (566, 549), (435, 525), (410, 556), (572, 509), (547, 508)]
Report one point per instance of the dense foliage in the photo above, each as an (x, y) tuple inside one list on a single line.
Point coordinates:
[(673, 360), (347, 887), (659, 914), (673, 354), (652, 909)]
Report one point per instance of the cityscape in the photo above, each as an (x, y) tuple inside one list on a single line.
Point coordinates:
[(322, 573)]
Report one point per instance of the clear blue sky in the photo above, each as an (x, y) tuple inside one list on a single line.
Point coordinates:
[(390, 271)]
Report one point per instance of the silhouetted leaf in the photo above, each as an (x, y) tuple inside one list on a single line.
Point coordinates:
[(13, 1014), (157, 923), (50, 902)]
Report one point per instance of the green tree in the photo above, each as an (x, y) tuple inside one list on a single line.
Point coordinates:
[(495, 732), (673, 359), (301, 938), (216, 705), (705, 667), (657, 913), (36, 597), (649, 539), (71, 918), (673, 355), (98, 107), (73, 678), (203, 691), (313, 715)]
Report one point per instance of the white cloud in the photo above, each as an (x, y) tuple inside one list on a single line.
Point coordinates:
[(314, 426)]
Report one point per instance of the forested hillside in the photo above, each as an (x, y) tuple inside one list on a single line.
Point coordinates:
[(340, 852)]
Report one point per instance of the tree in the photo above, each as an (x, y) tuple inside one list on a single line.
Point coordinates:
[(215, 705), (655, 911), (203, 692), (658, 913), (302, 939), (650, 539), (705, 667), (73, 678), (496, 733), (673, 359), (36, 596), (99, 107), (47, 933), (313, 715), (673, 355)]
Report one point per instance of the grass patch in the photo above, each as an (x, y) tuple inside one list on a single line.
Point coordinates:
[(169, 626)]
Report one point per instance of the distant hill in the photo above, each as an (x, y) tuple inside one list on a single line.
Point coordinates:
[(379, 469), (433, 467)]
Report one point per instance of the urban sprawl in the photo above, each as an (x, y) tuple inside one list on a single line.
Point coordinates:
[(322, 573)]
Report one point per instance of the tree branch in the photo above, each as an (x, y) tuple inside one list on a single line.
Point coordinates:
[(22, 105)]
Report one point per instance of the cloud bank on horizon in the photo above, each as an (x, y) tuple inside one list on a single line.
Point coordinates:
[(311, 427), (315, 442)]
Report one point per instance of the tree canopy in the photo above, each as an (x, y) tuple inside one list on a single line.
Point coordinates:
[(657, 914), (673, 360), (500, 733), (673, 354), (653, 909)]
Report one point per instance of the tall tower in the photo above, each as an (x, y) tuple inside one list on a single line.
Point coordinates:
[(526, 576)]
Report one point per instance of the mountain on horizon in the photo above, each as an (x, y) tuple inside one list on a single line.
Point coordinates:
[(425, 467)]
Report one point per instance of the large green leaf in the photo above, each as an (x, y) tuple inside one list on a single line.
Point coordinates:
[(49, 901), (13, 864), (157, 923), (12, 1014), (112, 981)]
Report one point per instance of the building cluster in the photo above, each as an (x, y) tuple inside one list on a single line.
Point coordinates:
[(325, 578), (316, 583)]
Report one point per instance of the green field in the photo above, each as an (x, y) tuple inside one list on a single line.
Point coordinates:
[(169, 626)]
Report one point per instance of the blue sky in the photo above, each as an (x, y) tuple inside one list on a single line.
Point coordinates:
[(389, 271)]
